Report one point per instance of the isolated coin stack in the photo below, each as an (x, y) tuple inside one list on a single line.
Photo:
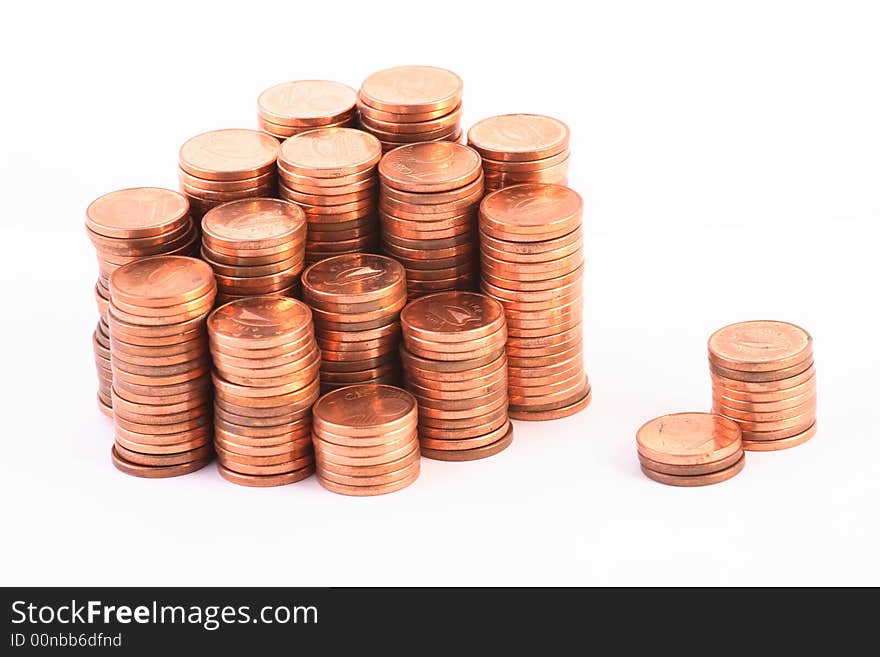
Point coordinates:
[(227, 165), (290, 108), (255, 247), (455, 365), (356, 301), (331, 174), (532, 263), (161, 365), (366, 440), (266, 380), (124, 226), (409, 104), (764, 379), (429, 196), (690, 449), (521, 148)]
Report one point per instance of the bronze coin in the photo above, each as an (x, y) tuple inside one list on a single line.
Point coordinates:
[(155, 472)]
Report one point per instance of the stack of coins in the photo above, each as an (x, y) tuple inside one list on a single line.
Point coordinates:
[(125, 226), (532, 263), (290, 108), (455, 365), (763, 378), (690, 449), (356, 300), (161, 365), (521, 148), (255, 247), (429, 197), (409, 104), (227, 165), (331, 174), (366, 440), (266, 380)]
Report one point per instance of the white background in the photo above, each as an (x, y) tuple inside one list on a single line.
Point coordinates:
[(729, 155)]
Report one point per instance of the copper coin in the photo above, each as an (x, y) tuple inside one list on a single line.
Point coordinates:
[(464, 439), (299, 452), (326, 474), (253, 448), (389, 331), (485, 349), (271, 378), (137, 213), (365, 181), (519, 137), (452, 317), (760, 346), (528, 271), (441, 376), (263, 470), (162, 281), (417, 229), (259, 223), (282, 132), (206, 451), (210, 197), (253, 421), (525, 166), (259, 322), (442, 418), (299, 345), (386, 344), (398, 138), (808, 387), (293, 264), (559, 367), (368, 490), (430, 167), (368, 467), (553, 410), (292, 384), (153, 429), (688, 470), (353, 278), (157, 414), (294, 400), (411, 89), (464, 195), (779, 428), (779, 443), (106, 409), (163, 443), (261, 481), (429, 212), (330, 152), (779, 415), (364, 410), (761, 407), (403, 117), (763, 376), (689, 438), (229, 154), (268, 368), (159, 354), (537, 285), (291, 253), (449, 366), (471, 454), (557, 175), (351, 377), (155, 472), (197, 184), (430, 244), (696, 480), (125, 406), (528, 212), (304, 103), (448, 121)]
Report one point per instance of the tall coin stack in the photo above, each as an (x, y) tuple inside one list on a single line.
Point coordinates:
[(255, 247), (290, 108), (409, 104), (521, 148), (356, 301), (331, 174), (763, 378), (161, 365), (266, 380), (366, 440), (532, 263), (227, 165), (124, 226), (429, 196), (455, 365)]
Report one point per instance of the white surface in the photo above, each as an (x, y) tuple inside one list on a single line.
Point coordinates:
[(728, 154)]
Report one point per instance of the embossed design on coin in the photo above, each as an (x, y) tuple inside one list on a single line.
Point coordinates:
[(259, 318), (519, 136), (689, 438), (755, 345), (412, 88), (304, 100)]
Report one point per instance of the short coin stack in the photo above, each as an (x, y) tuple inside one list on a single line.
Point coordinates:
[(125, 226), (366, 440), (429, 197), (255, 247), (356, 301), (532, 263), (690, 449), (227, 165), (455, 365), (764, 379), (521, 148), (161, 365), (409, 104), (290, 108), (266, 380), (331, 174)]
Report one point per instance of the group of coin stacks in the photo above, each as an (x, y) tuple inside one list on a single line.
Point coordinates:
[(122, 232), (532, 263), (331, 174), (763, 378), (290, 108), (255, 247), (409, 104), (227, 165), (429, 195), (161, 365), (266, 380), (521, 148), (455, 366), (690, 449), (366, 440), (356, 301)]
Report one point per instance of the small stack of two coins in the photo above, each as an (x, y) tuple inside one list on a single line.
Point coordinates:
[(455, 365), (521, 148), (763, 378), (356, 301), (366, 440), (266, 380), (331, 174), (409, 104), (290, 108), (161, 365), (532, 263), (255, 246), (429, 197), (227, 165)]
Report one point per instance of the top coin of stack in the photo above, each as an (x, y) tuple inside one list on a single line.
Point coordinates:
[(293, 107), (227, 165), (763, 378), (521, 148), (408, 104)]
